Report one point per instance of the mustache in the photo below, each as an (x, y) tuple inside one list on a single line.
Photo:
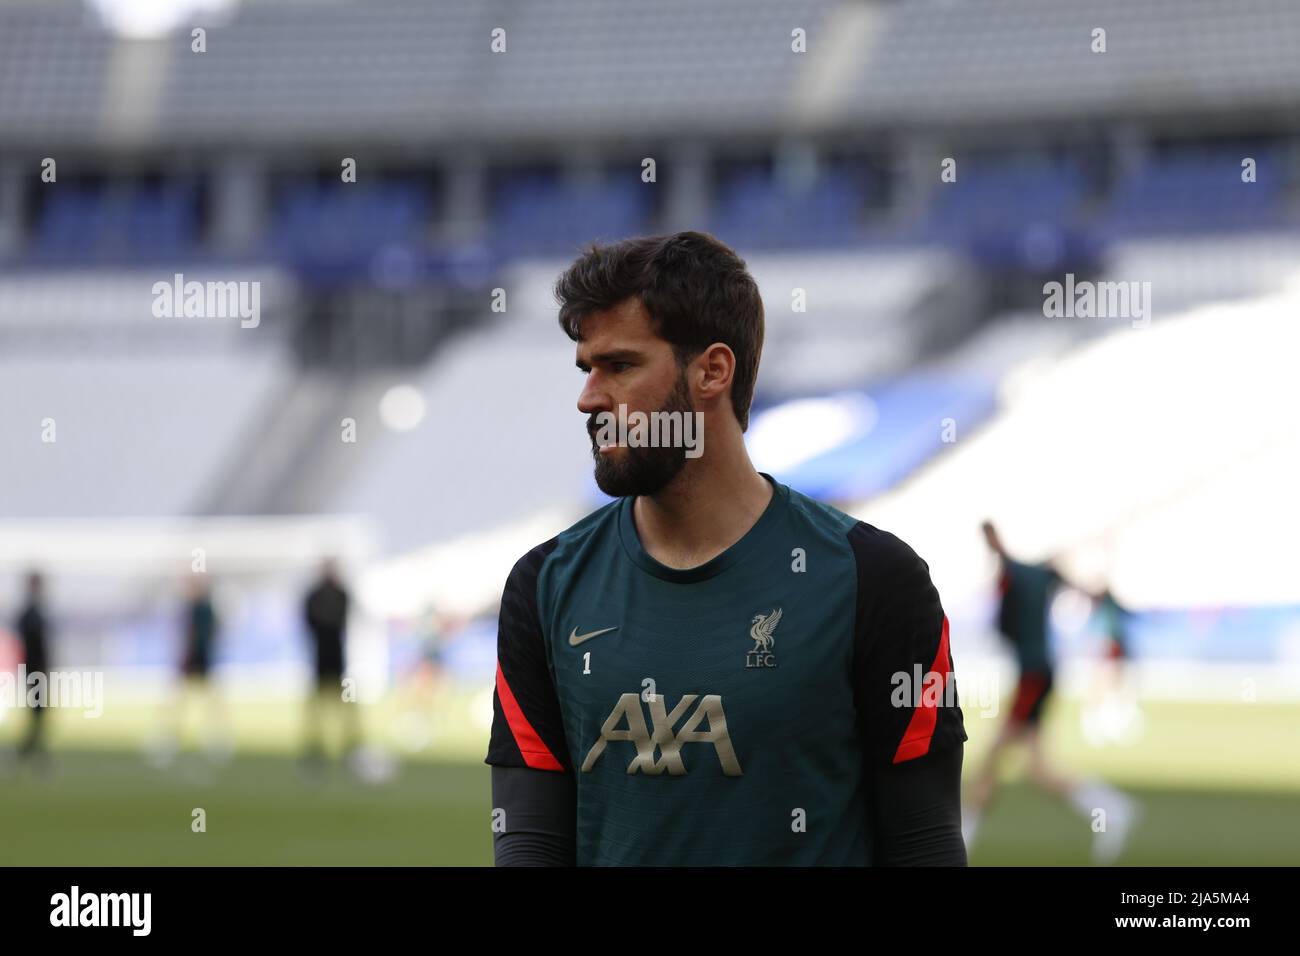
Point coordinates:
[(678, 400)]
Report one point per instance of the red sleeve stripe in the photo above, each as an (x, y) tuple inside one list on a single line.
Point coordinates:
[(536, 754), (916, 742)]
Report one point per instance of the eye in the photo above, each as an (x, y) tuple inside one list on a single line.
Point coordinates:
[(620, 366)]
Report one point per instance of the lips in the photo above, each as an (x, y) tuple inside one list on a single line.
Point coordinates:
[(596, 449)]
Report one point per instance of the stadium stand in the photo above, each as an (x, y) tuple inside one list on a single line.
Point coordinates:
[(481, 173)]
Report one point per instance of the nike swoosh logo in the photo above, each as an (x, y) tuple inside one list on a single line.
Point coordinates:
[(575, 638)]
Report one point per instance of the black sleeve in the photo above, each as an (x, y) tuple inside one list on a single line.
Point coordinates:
[(909, 716), (904, 681), (916, 807), (527, 725), (538, 815)]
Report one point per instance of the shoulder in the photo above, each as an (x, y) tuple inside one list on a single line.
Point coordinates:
[(570, 542), (815, 521), (816, 512), (894, 584), (877, 553), (883, 555)]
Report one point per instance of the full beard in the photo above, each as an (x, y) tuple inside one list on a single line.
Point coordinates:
[(642, 470)]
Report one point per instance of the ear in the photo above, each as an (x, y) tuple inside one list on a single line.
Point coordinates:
[(714, 369)]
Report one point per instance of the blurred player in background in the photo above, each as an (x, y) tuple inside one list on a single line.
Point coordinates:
[(33, 629), (325, 611), (1112, 713), (200, 625), (1023, 619), (426, 679)]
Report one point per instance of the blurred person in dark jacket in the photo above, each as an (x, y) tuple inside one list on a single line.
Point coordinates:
[(325, 611), (32, 626)]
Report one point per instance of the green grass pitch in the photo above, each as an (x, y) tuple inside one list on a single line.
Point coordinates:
[(1219, 784)]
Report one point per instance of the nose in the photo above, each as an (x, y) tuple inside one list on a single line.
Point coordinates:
[(593, 398)]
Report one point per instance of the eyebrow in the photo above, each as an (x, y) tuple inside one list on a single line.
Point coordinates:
[(617, 355)]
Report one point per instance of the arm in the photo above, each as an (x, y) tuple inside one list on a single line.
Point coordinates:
[(532, 780), (540, 815), (917, 811), (913, 737)]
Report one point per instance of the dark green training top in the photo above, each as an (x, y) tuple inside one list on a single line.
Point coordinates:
[(201, 624), (1027, 591), (1115, 619), (728, 714)]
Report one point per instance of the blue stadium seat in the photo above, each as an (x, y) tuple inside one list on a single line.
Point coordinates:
[(542, 214), (117, 221), (348, 221), (756, 210), (1202, 189)]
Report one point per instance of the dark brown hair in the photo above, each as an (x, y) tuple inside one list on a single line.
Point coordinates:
[(695, 289)]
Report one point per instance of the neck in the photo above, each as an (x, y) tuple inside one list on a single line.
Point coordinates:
[(706, 509)]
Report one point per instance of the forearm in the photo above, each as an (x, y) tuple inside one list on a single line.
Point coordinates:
[(917, 811), (540, 812)]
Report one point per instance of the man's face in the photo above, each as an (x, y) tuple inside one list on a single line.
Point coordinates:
[(628, 364)]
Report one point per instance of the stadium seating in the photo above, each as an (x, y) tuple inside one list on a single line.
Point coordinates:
[(1202, 190), (540, 213)]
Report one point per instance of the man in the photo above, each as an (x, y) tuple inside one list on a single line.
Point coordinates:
[(1115, 619), (200, 626), (32, 628), (712, 669), (325, 611), (200, 630), (1026, 592), (1111, 711)]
